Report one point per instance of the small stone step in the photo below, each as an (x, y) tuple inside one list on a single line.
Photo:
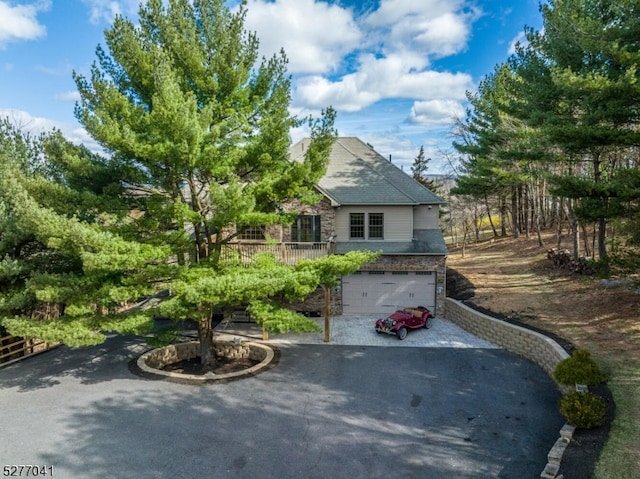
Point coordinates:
[(556, 452), (566, 432), (550, 471)]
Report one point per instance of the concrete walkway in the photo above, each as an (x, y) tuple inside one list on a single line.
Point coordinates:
[(359, 331)]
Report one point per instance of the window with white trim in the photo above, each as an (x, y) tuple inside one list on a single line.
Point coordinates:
[(356, 225), (366, 226), (376, 226)]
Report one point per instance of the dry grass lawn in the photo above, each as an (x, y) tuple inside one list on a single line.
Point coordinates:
[(514, 277)]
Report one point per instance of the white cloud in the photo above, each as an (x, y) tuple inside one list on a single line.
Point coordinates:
[(19, 22), (26, 122), (68, 96), (315, 35), (106, 10), (80, 136), (435, 112), (37, 125), (391, 11), (519, 39), (352, 62), (432, 27), (379, 79), (442, 36), (62, 69)]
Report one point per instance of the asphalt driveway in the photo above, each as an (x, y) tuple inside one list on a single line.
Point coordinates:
[(324, 411)]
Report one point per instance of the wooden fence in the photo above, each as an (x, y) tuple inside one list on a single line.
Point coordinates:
[(14, 348)]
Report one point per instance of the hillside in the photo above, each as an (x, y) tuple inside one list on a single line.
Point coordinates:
[(514, 278)]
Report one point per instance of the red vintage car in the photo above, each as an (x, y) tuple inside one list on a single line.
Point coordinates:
[(400, 322)]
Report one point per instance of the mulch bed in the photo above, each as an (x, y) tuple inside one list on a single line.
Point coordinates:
[(580, 457)]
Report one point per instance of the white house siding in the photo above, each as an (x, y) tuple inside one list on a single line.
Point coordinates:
[(426, 217), (398, 221)]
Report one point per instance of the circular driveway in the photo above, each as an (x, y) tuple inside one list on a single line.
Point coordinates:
[(325, 411)]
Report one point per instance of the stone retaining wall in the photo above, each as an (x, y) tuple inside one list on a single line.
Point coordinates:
[(176, 352), (534, 346)]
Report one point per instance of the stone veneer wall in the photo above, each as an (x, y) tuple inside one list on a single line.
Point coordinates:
[(283, 233), (534, 346), (323, 208), (315, 301)]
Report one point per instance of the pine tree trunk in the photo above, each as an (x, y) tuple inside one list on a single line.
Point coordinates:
[(602, 238), (525, 211), (205, 337), (538, 232), (493, 227), (503, 216), (514, 211)]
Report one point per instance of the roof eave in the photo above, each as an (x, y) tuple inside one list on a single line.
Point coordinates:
[(335, 203)]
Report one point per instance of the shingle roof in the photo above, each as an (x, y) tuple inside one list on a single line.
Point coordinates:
[(358, 175)]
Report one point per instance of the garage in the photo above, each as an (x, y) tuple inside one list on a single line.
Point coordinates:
[(384, 291)]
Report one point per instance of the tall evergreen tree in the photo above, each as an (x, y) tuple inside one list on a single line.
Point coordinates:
[(198, 133), (419, 170), (578, 83), (502, 157)]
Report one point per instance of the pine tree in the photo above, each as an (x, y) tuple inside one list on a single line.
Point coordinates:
[(578, 83), (197, 131), (419, 170)]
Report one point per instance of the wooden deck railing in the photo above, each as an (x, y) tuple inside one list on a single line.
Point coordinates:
[(286, 253), (13, 348)]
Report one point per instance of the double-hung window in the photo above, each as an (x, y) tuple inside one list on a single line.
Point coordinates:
[(356, 226), (366, 226), (376, 226)]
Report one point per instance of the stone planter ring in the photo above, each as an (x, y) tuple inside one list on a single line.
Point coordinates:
[(150, 364)]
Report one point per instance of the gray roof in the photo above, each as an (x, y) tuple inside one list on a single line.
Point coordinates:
[(358, 175), (425, 242)]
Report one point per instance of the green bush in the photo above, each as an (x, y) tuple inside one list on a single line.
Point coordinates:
[(583, 409), (580, 368)]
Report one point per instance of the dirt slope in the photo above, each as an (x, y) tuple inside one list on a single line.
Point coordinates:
[(513, 277)]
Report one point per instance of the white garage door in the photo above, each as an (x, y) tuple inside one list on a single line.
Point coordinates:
[(384, 291)]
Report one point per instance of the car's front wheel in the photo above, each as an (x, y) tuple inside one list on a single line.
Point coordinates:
[(428, 323), (402, 333)]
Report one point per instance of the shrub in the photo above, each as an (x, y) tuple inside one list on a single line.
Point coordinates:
[(580, 368), (583, 410)]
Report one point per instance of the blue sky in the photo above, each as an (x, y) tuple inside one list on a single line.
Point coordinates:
[(396, 71)]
